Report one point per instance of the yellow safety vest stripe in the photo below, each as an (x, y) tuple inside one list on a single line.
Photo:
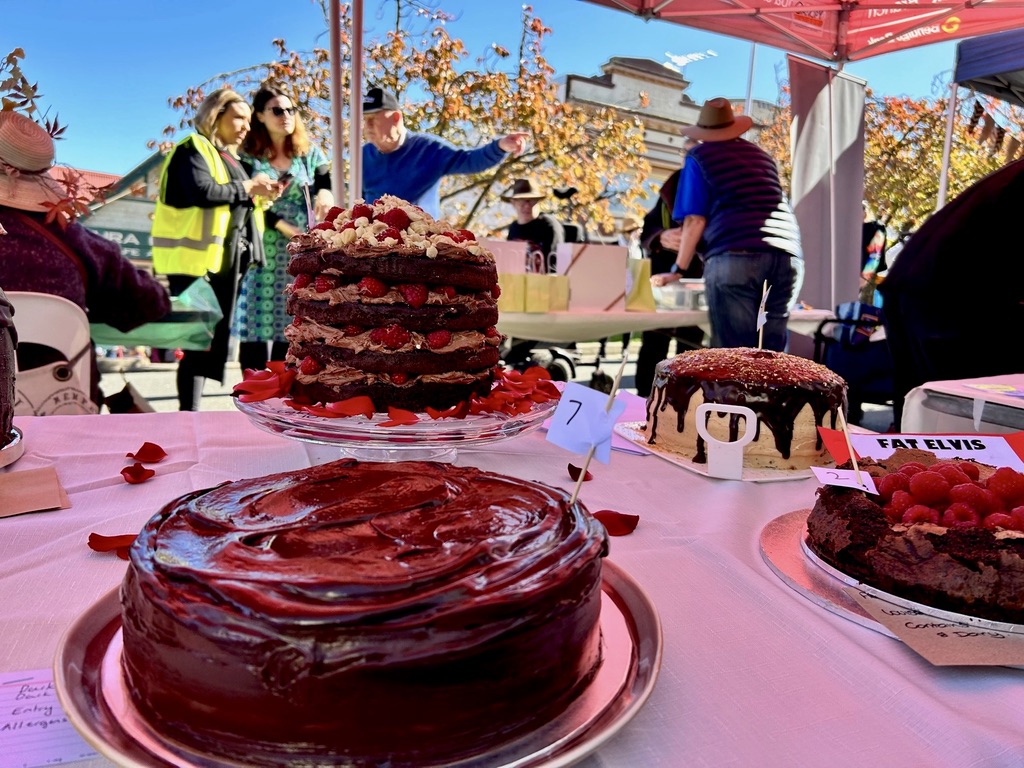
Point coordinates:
[(190, 241)]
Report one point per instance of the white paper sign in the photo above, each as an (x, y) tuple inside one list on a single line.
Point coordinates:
[(580, 421), (33, 728), (986, 449), (846, 478)]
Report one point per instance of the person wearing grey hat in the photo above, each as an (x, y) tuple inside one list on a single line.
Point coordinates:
[(409, 164), (730, 198), (542, 231)]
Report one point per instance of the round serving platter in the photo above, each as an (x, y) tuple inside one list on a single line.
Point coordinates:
[(368, 440), (784, 548), (634, 432), (14, 450), (87, 676)]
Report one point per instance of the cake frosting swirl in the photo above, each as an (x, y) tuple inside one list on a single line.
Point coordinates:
[(395, 614)]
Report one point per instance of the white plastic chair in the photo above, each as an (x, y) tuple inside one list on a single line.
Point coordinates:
[(62, 387)]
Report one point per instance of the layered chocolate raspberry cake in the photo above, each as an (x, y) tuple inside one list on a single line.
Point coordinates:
[(790, 395), (362, 614), (392, 304), (948, 534), (8, 343)]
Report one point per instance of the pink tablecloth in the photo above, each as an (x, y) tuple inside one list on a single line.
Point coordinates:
[(753, 673)]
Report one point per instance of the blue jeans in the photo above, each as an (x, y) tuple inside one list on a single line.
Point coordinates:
[(733, 283)]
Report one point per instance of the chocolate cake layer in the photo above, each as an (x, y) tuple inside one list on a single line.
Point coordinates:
[(429, 317), (412, 362), (412, 396), (362, 614), (416, 268)]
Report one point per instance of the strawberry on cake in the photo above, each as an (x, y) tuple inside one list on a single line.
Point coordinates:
[(391, 304)]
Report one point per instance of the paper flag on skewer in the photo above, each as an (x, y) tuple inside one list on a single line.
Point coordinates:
[(762, 312)]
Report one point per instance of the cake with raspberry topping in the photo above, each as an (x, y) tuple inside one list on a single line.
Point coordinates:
[(947, 534), (791, 397), (391, 304), (362, 614)]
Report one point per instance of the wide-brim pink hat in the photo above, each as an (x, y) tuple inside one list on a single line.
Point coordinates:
[(26, 156), (716, 122)]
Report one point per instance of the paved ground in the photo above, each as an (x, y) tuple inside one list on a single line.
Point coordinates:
[(156, 381)]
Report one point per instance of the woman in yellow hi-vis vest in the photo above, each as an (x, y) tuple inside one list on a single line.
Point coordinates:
[(205, 224)]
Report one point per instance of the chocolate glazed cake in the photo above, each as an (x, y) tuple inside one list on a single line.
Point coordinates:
[(790, 395), (391, 304), (382, 614)]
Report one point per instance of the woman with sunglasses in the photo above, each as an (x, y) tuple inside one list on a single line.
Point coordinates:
[(278, 146), (204, 224)]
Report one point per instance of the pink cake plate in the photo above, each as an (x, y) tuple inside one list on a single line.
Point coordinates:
[(90, 686)]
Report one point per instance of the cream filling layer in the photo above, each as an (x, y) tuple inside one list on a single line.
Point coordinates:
[(311, 331)]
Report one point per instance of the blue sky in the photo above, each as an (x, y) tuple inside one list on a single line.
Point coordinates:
[(108, 67)]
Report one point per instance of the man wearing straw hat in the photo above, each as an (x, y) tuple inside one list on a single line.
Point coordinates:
[(731, 196), (68, 261), (542, 231)]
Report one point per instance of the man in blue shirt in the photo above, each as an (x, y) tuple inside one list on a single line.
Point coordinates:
[(411, 165), (730, 196)]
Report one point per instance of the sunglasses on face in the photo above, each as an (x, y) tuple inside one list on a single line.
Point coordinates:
[(282, 111)]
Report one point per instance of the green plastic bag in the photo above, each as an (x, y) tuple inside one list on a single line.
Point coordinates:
[(189, 325)]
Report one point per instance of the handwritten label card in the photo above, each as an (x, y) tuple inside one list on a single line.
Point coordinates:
[(941, 641), (581, 421), (847, 478), (33, 727)]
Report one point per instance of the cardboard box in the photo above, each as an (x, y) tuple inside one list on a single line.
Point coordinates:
[(597, 275), (509, 255), (513, 292), (546, 293)]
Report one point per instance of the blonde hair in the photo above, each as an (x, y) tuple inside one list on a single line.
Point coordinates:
[(211, 109)]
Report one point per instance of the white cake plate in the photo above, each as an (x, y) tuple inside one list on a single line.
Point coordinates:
[(91, 689), (368, 440)]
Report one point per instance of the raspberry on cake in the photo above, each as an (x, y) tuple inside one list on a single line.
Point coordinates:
[(405, 282), (362, 614), (791, 397)]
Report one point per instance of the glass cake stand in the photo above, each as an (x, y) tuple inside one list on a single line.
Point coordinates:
[(367, 440)]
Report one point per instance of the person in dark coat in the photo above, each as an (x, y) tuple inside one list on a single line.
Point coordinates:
[(70, 261), (954, 299)]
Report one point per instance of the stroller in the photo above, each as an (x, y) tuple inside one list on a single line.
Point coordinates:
[(846, 344)]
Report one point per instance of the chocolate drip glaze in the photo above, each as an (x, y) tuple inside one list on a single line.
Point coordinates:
[(775, 386), (383, 613)]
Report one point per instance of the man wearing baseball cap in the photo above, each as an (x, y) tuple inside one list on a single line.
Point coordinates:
[(410, 165), (730, 196)]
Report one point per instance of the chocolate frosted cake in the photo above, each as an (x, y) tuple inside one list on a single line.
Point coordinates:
[(391, 304), (8, 343), (945, 534), (791, 397), (362, 614)]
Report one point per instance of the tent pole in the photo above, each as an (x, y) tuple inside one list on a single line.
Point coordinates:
[(749, 107), (947, 146), (337, 135), (355, 108)]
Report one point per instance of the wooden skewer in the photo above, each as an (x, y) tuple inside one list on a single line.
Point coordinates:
[(760, 331), (607, 408), (849, 447)]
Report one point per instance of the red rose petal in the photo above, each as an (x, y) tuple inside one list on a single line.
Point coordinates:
[(137, 473), (616, 523), (353, 406), (399, 416), (149, 453), (574, 473), (100, 543)]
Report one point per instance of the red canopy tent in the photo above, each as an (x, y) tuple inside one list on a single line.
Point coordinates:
[(834, 30)]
